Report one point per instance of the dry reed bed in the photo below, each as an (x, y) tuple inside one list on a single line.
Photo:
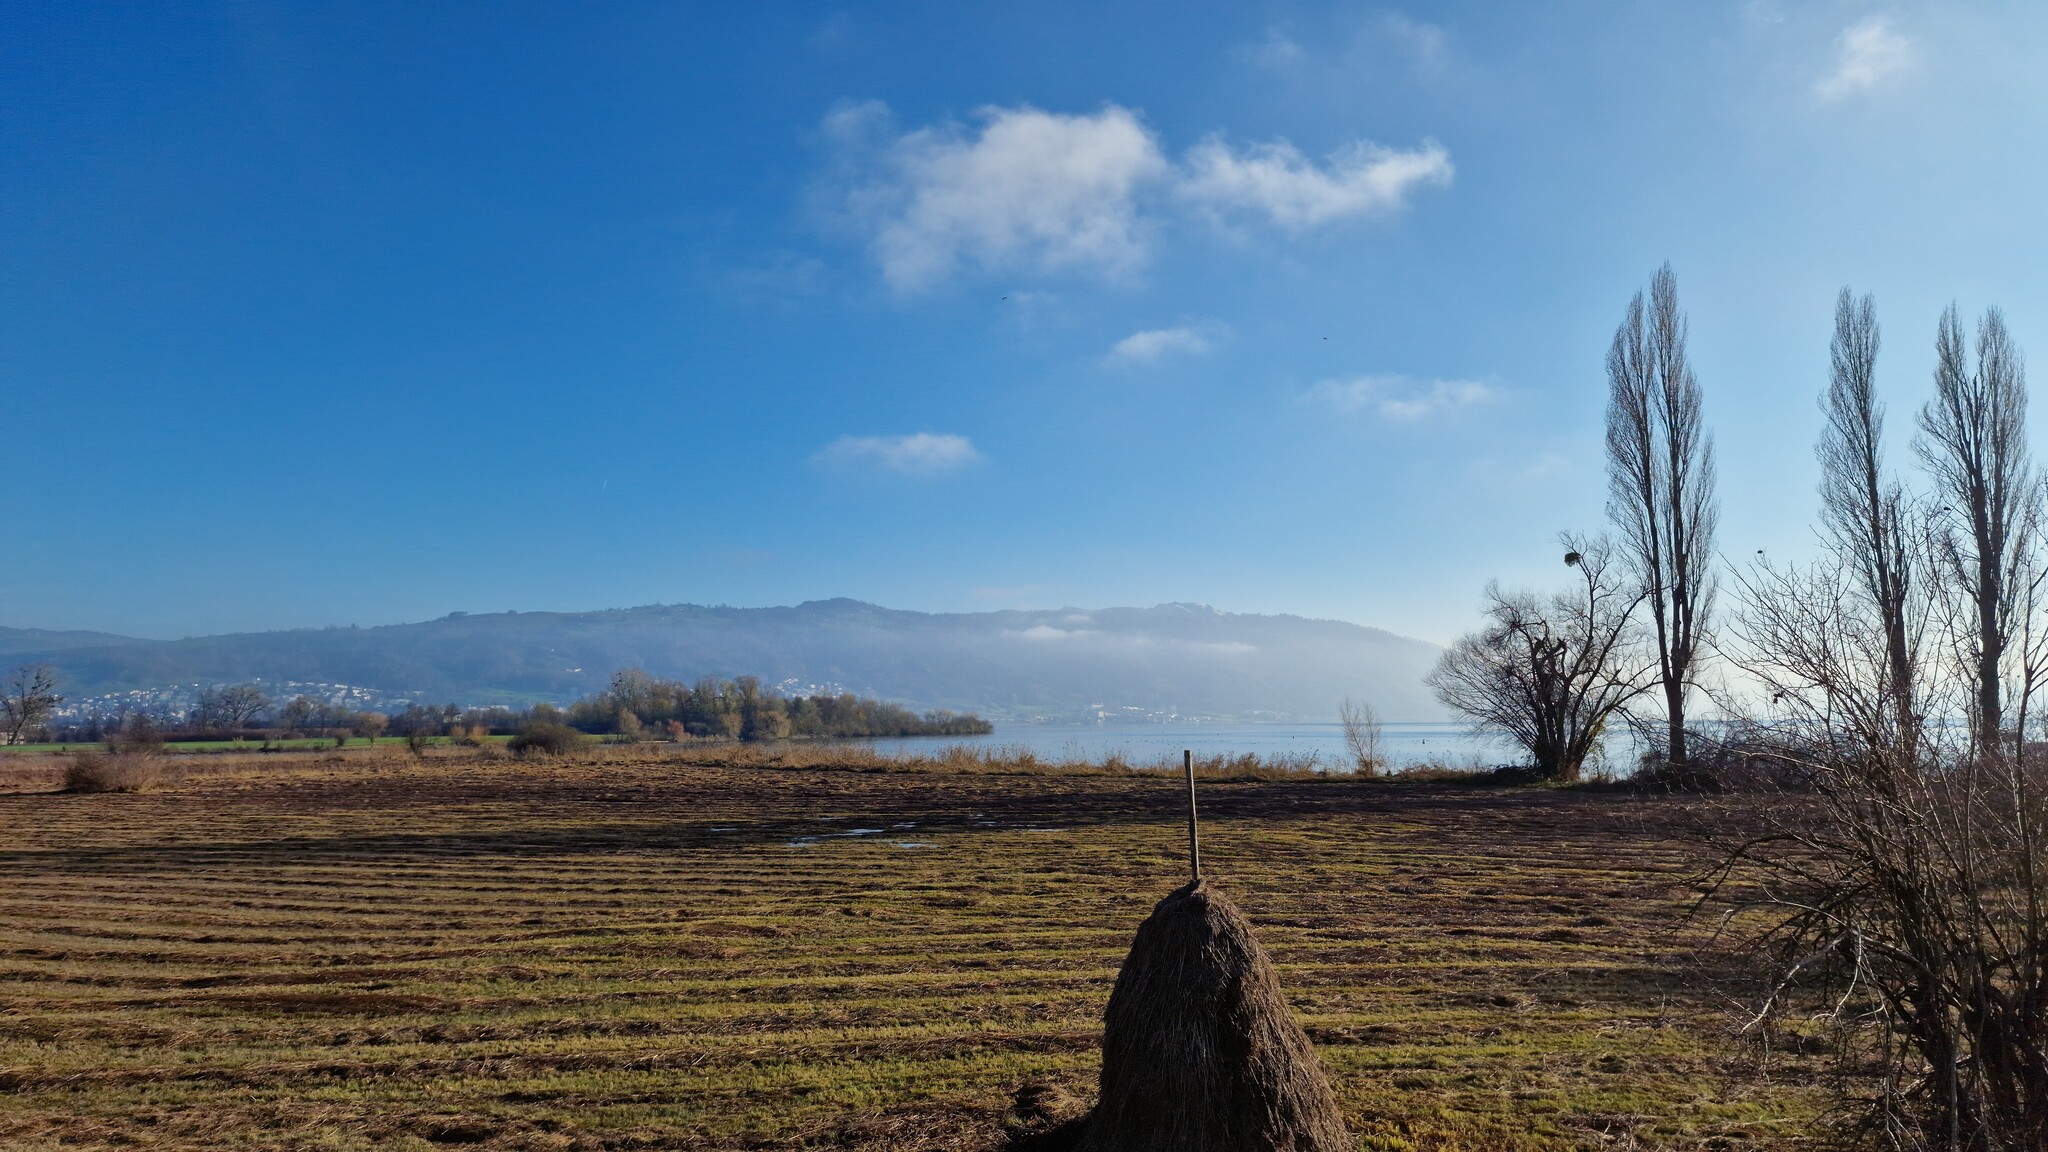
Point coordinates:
[(627, 951)]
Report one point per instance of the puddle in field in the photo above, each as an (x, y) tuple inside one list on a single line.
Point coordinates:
[(812, 841)]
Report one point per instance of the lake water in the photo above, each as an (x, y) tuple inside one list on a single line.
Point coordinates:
[(1146, 744)]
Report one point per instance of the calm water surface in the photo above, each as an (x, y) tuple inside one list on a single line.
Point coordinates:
[(1162, 743)]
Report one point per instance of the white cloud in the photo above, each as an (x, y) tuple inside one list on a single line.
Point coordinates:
[(918, 454), (1037, 191), (1027, 189), (855, 125), (1399, 398), (1275, 180), (1868, 54), (1146, 347)]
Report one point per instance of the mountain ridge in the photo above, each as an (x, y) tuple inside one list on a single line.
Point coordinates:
[(1178, 658)]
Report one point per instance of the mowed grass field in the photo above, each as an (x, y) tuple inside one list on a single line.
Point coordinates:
[(630, 952)]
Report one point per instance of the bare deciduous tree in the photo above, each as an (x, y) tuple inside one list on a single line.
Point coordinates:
[(1863, 510), (1362, 735), (1551, 673), (1973, 443), (369, 725), (298, 715), (30, 697), (419, 725), (1660, 469), (229, 706)]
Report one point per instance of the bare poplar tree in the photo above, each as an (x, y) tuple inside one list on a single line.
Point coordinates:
[(1660, 473), (1973, 443), (1863, 510)]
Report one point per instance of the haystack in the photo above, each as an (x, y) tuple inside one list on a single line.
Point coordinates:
[(1199, 1052)]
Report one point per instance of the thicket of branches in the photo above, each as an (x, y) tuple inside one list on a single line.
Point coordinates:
[(1897, 864)]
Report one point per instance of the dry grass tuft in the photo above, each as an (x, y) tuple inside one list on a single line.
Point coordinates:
[(1199, 1050), (115, 772), (1044, 1117)]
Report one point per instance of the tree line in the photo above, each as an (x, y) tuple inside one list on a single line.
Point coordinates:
[(742, 709), (636, 705)]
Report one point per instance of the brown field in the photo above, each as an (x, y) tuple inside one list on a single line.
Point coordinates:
[(634, 952)]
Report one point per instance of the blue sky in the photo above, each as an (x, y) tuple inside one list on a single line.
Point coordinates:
[(357, 314)]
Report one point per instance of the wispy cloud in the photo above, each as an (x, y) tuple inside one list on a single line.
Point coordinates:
[(1866, 55), (1400, 399), (1046, 632), (1024, 189), (1278, 51), (1277, 181), (917, 454), (1421, 41), (1542, 468), (1149, 346), (1362, 45)]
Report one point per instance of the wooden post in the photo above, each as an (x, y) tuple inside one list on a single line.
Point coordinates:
[(1187, 762)]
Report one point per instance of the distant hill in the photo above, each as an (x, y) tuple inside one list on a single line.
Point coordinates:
[(42, 640), (1186, 658)]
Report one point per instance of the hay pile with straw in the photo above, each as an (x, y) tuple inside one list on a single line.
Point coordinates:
[(1199, 1051)]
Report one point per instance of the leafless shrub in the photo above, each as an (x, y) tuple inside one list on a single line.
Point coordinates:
[(547, 736), (137, 734), (1362, 737), (117, 772)]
